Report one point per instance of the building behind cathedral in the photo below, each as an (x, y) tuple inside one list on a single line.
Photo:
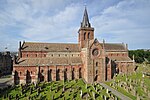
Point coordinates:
[(89, 59), (5, 63)]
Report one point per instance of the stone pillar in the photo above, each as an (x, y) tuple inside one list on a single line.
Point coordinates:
[(61, 74), (54, 73), (69, 74), (37, 74), (46, 74), (77, 73)]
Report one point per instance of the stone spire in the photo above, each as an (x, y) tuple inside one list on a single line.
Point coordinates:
[(85, 21)]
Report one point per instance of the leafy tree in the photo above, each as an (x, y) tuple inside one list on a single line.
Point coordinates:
[(139, 55)]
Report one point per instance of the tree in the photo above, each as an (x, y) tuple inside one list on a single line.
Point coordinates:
[(140, 55)]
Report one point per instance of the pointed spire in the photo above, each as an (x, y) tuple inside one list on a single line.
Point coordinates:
[(85, 21)]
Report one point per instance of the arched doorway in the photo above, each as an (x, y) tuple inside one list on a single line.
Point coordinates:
[(80, 73), (41, 76), (16, 78), (28, 77), (50, 75), (96, 75), (58, 75), (73, 74), (65, 74)]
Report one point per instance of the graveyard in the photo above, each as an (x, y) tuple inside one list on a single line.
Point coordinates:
[(135, 85), (58, 90)]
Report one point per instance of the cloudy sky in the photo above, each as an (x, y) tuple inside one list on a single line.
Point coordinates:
[(115, 21)]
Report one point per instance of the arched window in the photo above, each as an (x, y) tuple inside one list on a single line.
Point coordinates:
[(96, 64), (42, 71), (96, 71), (27, 55), (89, 35), (20, 73), (84, 35)]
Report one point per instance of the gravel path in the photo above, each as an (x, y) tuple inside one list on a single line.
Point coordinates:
[(115, 92)]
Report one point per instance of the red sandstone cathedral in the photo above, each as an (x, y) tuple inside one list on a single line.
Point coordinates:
[(89, 59)]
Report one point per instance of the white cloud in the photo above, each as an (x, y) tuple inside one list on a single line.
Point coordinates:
[(59, 20), (128, 21), (48, 27)]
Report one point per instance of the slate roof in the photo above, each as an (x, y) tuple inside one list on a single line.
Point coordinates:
[(110, 46), (115, 58), (50, 47), (85, 22), (115, 46), (48, 61)]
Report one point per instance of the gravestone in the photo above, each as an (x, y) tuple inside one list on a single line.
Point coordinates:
[(138, 97), (93, 93), (145, 89), (106, 90), (81, 93), (148, 93)]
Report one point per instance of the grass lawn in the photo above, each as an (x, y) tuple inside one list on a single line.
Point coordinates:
[(57, 90), (136, 78)]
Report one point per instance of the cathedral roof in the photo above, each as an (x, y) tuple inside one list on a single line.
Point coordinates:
[(49, 61), (50, 47), (114, 47), (120, 59), (85, 22), (109, 46)]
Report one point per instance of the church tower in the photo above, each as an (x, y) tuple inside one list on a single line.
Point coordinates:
[(86, 32)]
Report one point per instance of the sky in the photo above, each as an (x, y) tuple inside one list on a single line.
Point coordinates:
[(115, 21)]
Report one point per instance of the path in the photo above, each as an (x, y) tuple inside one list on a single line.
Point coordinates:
[(115, 92), (5, 82)]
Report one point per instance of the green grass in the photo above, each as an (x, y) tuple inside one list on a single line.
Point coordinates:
[(137, 76), (49, 90)]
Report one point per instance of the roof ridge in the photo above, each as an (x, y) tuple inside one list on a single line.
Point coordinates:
[(49, 43), (115, 43)]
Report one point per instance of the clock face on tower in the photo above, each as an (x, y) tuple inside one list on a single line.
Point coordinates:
[(95, 52)]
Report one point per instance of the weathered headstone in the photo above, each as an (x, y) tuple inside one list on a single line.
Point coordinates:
[(107, 90), (81, 93), (93, 95)]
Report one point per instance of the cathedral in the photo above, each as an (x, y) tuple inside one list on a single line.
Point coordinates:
[(89, 59)]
